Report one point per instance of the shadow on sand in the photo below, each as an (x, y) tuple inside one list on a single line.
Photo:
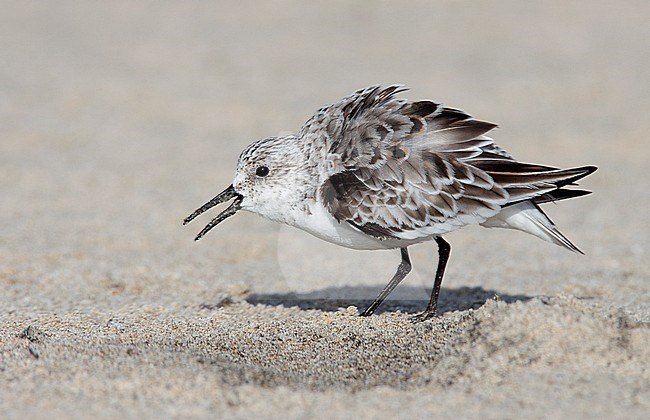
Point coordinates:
[(331, 299)]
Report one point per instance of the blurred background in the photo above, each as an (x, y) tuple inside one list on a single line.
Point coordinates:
[(117, 119)]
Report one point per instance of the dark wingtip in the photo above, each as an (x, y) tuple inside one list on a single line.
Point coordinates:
[(578, 174), (559, 194), (587, 170)]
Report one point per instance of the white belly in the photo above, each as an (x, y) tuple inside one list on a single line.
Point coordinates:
[(323, 225)]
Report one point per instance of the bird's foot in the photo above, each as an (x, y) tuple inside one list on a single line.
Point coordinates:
[(424, 316), (367, 312), (371, 309)]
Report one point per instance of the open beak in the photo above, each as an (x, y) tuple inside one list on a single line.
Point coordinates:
[(223, 196)]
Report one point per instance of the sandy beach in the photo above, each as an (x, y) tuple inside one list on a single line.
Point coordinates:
[(118, 119)]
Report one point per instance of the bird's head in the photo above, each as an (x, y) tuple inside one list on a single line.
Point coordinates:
[(267, 182)]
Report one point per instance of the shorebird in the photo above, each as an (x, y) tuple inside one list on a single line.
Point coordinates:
[(375, 171)]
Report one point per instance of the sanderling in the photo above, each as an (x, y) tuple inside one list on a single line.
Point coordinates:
[(374, 171)]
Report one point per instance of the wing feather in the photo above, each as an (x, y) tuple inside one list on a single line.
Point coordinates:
[(392, 168)]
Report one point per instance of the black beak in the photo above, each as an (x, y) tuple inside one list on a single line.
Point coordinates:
[(224, 196)]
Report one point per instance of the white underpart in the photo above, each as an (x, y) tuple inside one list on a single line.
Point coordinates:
[(527, 218), (523, 216), (323, 225), (426, 233)]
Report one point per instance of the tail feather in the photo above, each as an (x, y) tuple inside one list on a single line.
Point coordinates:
[(560, 194), (548, 194), (540, 184), (529, 217), (510, 175), (528, 186)]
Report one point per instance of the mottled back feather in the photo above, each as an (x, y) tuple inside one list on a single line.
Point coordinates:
[(389, 166)]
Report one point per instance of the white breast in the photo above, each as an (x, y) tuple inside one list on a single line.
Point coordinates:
[(323, 225)]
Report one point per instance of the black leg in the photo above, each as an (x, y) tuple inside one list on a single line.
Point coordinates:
[(402, 270), (444, 249)]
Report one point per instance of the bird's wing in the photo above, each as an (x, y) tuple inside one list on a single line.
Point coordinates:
[(399, 169), (391, 166)]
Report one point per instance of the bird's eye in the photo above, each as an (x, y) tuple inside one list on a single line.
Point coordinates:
[(262, 171)]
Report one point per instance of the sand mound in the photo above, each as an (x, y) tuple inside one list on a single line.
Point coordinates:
[(185, 354)]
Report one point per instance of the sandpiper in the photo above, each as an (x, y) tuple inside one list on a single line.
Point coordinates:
[(375, 171)]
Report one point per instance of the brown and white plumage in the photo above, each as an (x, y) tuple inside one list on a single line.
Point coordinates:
[(409, 170), (377, 171)]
